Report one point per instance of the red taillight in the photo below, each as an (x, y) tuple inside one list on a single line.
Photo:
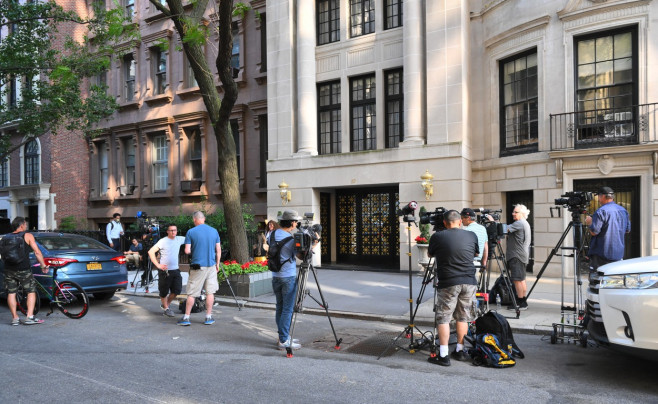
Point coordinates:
[(58, 262), (121, 259)]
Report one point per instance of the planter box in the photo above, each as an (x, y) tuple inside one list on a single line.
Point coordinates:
[(248, 285)]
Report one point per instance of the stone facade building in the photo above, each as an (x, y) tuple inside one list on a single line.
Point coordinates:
[(157, 154), (503, 102)]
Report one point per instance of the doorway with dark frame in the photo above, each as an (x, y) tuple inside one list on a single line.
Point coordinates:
[(523, 198)]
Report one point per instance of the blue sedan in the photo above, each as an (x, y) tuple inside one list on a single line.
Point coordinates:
[(96, 267)]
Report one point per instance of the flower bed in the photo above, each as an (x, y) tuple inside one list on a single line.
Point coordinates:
[(248, 280)]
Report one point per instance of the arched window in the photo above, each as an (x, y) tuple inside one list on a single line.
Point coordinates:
[(31, 162)]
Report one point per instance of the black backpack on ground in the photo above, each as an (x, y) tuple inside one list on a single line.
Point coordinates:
[(274, 253), (499, 288), (198, 306), (496, 324), (13, 250)]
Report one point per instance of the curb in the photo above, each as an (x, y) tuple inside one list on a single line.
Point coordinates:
[(423, 321)]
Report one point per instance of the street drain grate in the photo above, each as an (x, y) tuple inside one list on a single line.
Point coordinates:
[(376, 345)]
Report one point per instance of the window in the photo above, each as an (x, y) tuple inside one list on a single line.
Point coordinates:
[(235, 52), (4, 173), (190, 78), (235, 130), (130, 8), (100, 80), (196, 171), (518, 104), (328, 21), (31, 157), (160, 81), (329, 117), (263, 42), (129, 76), (103, 168), (160, 166), (362, 99), (394, 108), (262, 127), (393, 14), (606, 84), (362, 17), (13, 91), (129, 157)]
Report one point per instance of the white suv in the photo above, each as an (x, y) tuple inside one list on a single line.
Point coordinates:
[(622, 306)]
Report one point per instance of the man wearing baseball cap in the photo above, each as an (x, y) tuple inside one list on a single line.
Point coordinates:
[(608, 226)]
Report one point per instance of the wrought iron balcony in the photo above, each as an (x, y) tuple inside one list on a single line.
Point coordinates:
[(604, 127)]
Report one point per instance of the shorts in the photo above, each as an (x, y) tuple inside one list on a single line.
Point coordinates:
[(21, 277), (516, 269), (204, 278), (133, 259), (456, 302), (170, 282)]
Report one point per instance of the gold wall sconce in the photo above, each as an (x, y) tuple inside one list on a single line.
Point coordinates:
[(427, 185), (286, 195)]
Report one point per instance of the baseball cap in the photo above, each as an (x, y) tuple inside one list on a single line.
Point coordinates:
[(468, 212), (605, 190), (290, 215)]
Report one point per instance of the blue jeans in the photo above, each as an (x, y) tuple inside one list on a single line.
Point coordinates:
[(285, 290)]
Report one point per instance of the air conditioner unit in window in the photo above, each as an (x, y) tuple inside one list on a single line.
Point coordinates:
[(190, 186), (127, 190)]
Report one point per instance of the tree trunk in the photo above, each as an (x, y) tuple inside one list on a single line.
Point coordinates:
[(219, 111)]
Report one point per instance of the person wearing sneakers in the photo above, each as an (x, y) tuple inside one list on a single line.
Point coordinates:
[(284, 282), (518, 253), (170, 281), (455, 250), (18, 269), (202, 241)]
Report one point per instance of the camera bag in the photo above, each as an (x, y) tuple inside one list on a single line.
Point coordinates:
[(274, 253), (496, 324), (500, 288), (488, 351), (198, 306)]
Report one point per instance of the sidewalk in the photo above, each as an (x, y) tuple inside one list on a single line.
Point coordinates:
[(384, 296)]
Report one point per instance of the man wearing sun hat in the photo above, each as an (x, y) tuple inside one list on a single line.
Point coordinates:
[(608, 226)]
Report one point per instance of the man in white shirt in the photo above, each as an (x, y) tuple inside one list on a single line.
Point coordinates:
[(170, 281), (114, 231)]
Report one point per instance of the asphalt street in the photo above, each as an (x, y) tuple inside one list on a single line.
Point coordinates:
[(125, 351)]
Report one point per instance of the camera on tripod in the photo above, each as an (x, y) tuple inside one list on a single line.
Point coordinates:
[(434, 218), (495, 230), (575, 201), (307, 235), (407, 212), (148, 226)]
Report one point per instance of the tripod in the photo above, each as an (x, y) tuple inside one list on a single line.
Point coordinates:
[(229, 285), (577, 310), (147, 276), (302, 277), (496, 253)]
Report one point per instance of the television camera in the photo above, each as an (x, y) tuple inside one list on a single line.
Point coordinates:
[(490, 219), (149, 226), (307, 236), (435, 218), (575, 201)]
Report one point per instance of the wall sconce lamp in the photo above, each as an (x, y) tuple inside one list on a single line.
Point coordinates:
[(286, 195), (427, 185)]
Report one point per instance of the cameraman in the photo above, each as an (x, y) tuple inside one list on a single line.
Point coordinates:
[(608, 226), (284, 282), (170, 281), (455, 250), (469, 223), (518, 253)]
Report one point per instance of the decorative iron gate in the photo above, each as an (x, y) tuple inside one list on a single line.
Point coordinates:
[(367, 227)]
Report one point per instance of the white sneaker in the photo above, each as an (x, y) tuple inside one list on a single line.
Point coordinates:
[(288, 344)]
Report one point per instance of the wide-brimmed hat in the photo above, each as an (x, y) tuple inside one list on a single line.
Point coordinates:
[(290, 215)]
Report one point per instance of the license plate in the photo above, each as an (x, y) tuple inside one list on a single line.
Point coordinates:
[(94, 266)]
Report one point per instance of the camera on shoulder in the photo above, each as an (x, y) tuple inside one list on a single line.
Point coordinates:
[(195, 266)]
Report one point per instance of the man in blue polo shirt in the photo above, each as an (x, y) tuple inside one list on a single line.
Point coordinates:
[(608, 226)]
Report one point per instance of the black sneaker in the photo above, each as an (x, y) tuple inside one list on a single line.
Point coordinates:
[(461, 356), (439, 360), (523, 305)]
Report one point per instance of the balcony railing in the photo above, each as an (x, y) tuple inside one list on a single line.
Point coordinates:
[(604, 127)]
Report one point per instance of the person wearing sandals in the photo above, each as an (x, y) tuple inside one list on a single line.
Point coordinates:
[(18, 269)]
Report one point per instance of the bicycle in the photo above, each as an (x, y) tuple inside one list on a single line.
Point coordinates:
[(69, 297)]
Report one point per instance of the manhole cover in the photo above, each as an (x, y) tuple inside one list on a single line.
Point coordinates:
[(377, 344)]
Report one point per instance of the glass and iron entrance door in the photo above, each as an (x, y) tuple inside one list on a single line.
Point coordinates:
[(627, 194), (367, 227)]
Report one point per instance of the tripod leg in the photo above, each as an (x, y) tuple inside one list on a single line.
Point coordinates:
[(229, 286), (326, 308), (550, 257)]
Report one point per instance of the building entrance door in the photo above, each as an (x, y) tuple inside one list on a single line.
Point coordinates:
[(33, 217), (367, 227)]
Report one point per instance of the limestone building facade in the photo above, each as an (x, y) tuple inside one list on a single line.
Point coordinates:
[(503, 102)]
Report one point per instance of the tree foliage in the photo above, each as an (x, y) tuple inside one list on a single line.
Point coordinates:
[(43, 72)]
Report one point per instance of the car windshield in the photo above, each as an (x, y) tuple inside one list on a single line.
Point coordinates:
[(70, 243)]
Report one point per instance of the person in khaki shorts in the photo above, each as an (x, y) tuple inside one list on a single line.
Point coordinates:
[(454, 250), (202, 241)]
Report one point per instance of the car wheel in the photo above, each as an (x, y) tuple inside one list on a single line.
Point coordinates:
[(103, 295)]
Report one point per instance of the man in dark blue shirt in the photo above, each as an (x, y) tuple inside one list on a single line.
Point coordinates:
[(608, 226)]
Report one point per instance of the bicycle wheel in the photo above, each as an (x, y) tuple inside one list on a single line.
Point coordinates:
[(71, 299), (21, 301)]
